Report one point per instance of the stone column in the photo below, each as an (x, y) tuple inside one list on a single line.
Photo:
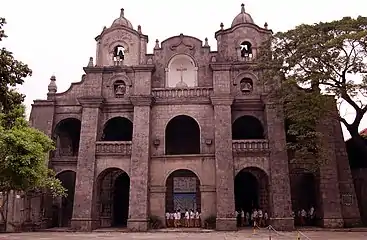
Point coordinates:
[(84, 211), (331, 210), (139, 170), (350, 210), (224, 162), (208, 201), (280, 194), (158, 202)]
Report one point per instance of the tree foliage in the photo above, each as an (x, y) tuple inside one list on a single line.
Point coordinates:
[(23, 149), (326, 58)]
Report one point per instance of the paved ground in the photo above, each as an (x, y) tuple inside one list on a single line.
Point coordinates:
[(241, 235)]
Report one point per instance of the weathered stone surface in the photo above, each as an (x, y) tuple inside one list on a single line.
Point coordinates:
[(214, 101)]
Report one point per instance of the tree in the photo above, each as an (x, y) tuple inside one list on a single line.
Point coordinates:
[(23, 149), (326, 58)]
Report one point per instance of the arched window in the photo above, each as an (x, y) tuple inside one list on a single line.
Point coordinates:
[(247, 127), (118, 55), (67, 136), (118, 129), (181, 72), (246, 50), (182, 136)]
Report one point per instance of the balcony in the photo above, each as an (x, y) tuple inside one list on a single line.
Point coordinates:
[(250, 145), (113, 148), (197, 92)]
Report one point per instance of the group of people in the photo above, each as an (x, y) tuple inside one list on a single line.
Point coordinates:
[(189, 218), (303, 217), (257, 217)]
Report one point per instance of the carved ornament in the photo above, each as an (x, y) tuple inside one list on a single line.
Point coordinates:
[(181, 41)]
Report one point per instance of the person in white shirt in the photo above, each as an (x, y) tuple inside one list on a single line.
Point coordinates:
[(197, 218), (172, 219), (242, 218), (303, 217), (255, 217), (192, 218), (266, 218), (187, 218), (260, 217), (248, 218), (312, 215), (175, 216), (167, 219), (179, 218)]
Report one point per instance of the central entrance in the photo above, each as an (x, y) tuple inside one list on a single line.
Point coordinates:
[(114, 192), (183, 191)]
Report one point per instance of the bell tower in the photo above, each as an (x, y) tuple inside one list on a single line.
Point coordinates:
[(121, 44)]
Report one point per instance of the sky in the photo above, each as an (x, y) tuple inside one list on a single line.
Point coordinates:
[(57, 37)]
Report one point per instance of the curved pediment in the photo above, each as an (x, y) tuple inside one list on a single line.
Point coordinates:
[(182, 41)]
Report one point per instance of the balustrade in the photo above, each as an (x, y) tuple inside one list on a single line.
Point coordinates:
[(113, 148)]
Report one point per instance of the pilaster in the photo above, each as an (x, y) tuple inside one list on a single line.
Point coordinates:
[(280, 194), (84, 211), (139, 170), (331, 210), (224, 162)]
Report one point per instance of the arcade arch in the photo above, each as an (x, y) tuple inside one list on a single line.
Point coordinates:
[(67, 137), (182, 136), (247, 127), (113, 197), (118, 129)]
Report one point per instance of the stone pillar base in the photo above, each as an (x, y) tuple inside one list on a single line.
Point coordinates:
[(137, 225), (332, 223), (352, 222), (83, 224), (282, 224), (226, 224)]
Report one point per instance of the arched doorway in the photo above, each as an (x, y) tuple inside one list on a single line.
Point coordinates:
[(183, 191), (304, 194), (118, 129), (182, 136), (67, 137), (62, 208), (113, 197), (251, 190), (247, 127)]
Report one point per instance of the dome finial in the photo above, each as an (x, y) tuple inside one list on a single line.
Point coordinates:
[(242, 8), (52, 88), (122, 12)]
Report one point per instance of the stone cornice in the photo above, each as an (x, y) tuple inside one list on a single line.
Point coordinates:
[(222, 100), (143, 68), (207, 188), (108, 69), (142, 100), (91, 102), (218, 66), (182, 101), (248, 103), (43, 103), (158, 189)]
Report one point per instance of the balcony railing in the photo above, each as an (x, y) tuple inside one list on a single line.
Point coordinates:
[(113, 148), (250, 145), (182, 93)]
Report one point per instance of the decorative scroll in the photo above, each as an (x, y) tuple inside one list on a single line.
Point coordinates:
[(173, 47), (184, 185), (184, 201)]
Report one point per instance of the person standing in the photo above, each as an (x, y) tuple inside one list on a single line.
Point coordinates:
[(242, 218), (187, 218), (168, 215), (260, 217)]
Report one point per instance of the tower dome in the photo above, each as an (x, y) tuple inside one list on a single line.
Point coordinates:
[(122, 21), (243, 17)]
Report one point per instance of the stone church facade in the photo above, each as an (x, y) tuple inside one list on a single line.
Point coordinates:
[(183, 127)]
